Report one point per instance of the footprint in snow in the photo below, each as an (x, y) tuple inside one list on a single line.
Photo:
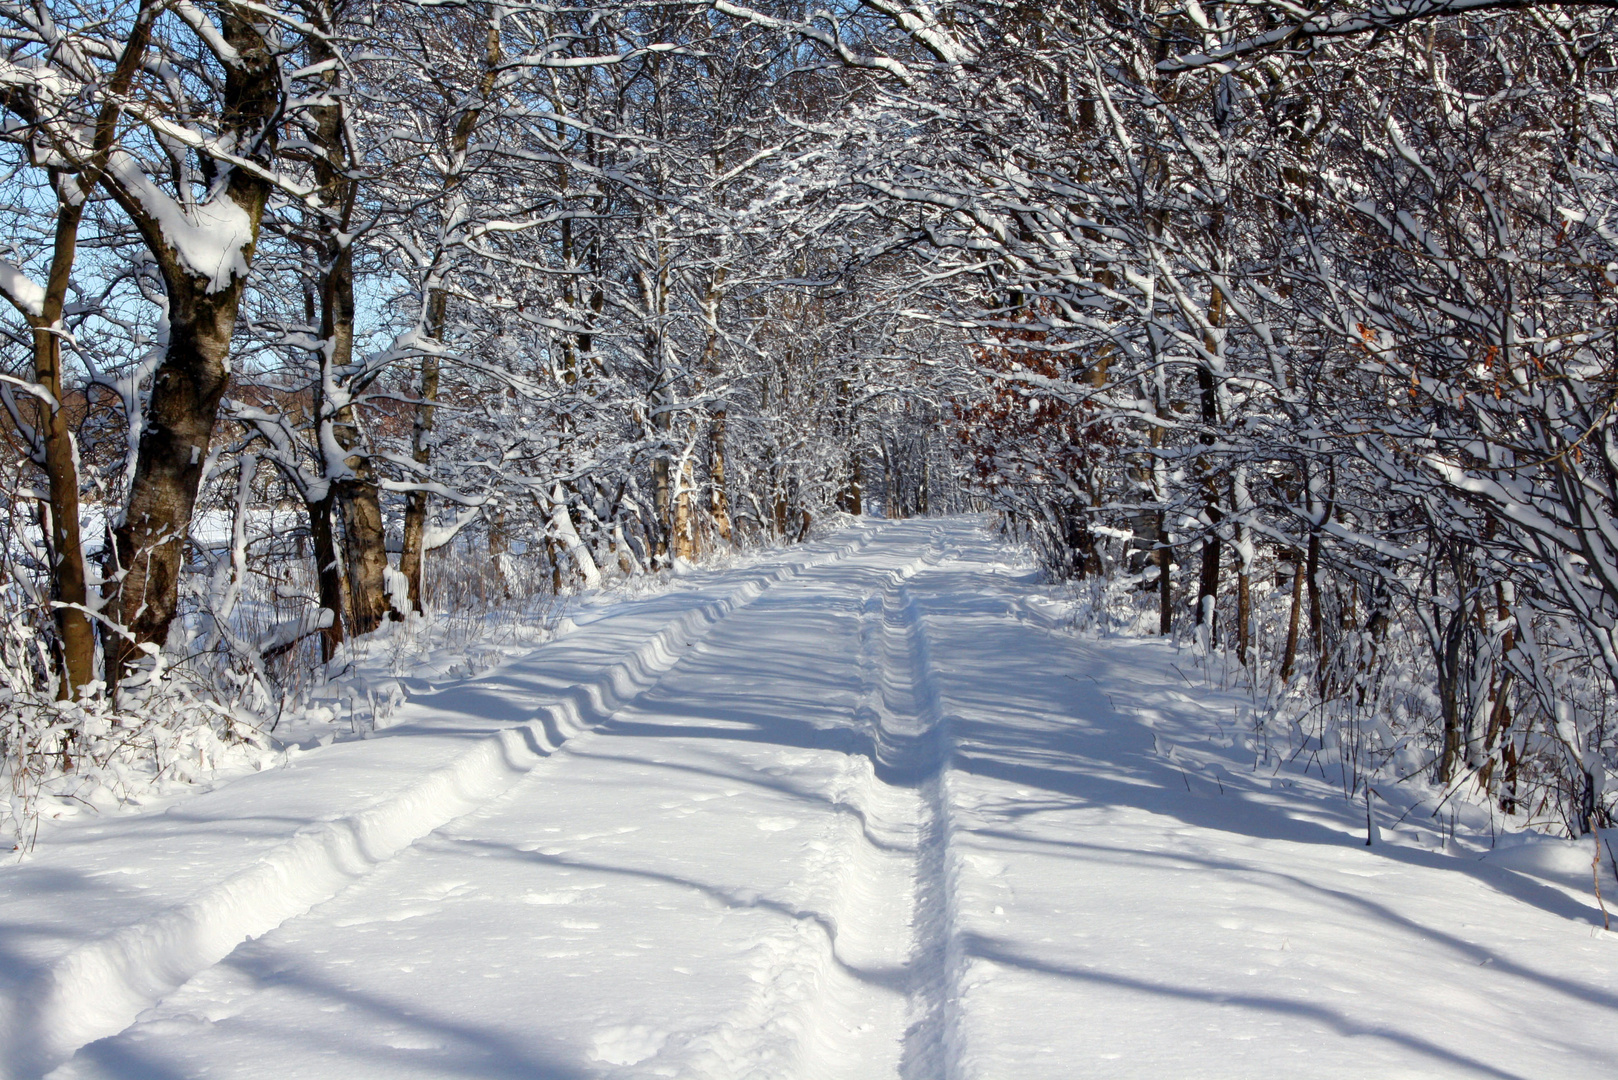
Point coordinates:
[(627, 1045), (776, 824)]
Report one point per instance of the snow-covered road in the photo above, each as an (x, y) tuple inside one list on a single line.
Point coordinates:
[(857, 811)]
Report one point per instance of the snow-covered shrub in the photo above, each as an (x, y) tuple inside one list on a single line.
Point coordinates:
[(1365, 711)]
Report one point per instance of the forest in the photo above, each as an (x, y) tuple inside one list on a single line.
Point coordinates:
[(1285, 328)]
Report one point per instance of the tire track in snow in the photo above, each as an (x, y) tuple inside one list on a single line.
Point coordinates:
[(923, 758), (903, 799), (866, 990), (99, 988)]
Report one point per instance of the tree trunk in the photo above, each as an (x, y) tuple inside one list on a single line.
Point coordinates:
[(412, 556), (365, 545), (149, 538), (1449, 679), (1212, 547), (661, 400), (853, 495), (562, 528), (354, 486), (1165, 586), (69, 580), (1499, 730), (54, 449), (660, 508), (1244, 611), (685, 525), (1311, 565), (328, 574), (149, 543), (358, 502), (1208, 586), (498, 542), (1289, 656)]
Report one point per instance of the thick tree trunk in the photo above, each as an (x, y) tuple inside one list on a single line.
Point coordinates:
[(661, 400), (892, 482), (1508, 783), (553, 552), (365, 544), (69, 584), (850, 499), (1499, 730), (149, 543), (412, 556), (499, 544), (149, 539), (779, 507), (359, 503)]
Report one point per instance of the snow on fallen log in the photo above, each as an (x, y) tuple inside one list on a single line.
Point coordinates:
[(289, 633)]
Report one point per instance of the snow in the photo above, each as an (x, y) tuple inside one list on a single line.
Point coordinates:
[(211, 239), (21, 290), (862, 809)]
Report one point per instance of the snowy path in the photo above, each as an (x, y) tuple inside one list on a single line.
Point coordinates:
[(859, 812)]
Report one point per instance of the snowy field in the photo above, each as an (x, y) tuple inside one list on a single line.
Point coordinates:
[(860, 810)]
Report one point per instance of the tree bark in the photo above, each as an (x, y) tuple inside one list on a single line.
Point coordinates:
[(1289, 656), (186, 390), (1165, 585), (149, 539), (353, 480), (358, 501), (1311, 565), (1208, 585), (1212, 546), (412, 555), (364, 540), (660, 506), (719, 499), (1244, 611), (685, 531), (328, 574), (54, 451), (853, 494), (69, 579)]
